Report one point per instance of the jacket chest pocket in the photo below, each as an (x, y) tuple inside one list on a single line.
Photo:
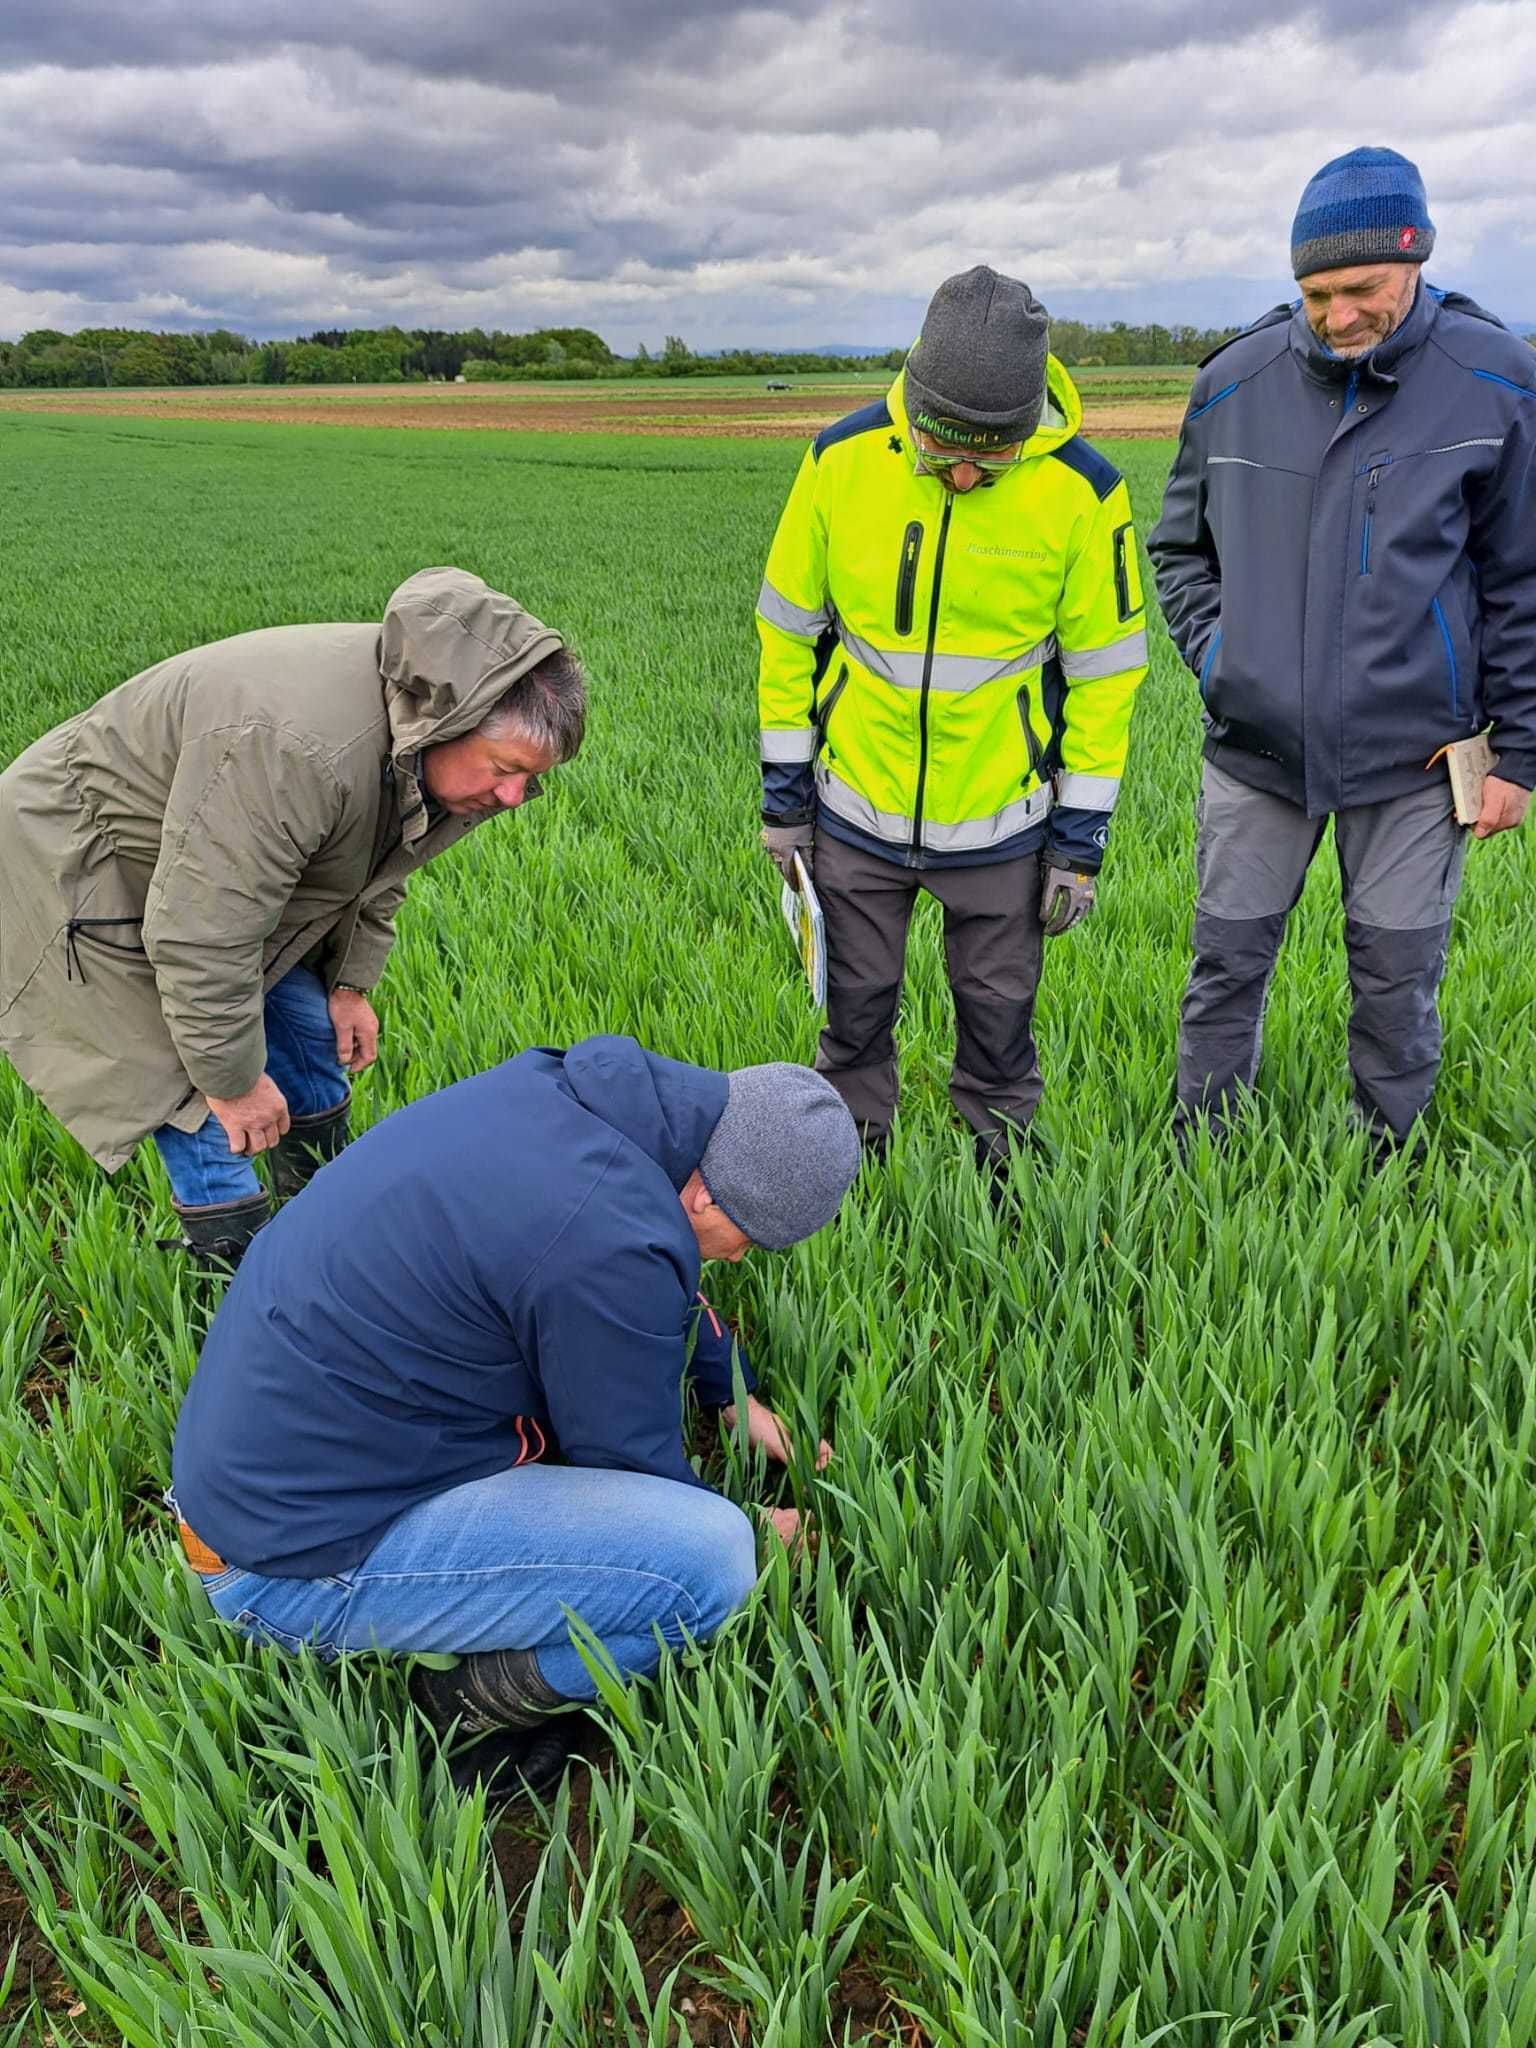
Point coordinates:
[(1373, 468)]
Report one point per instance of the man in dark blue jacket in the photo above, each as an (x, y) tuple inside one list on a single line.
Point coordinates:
[(499, 1272), (1347, 561)]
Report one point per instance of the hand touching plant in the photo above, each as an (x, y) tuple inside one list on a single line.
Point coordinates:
[(765, 1432)]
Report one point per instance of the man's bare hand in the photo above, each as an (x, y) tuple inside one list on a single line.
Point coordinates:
[(1504, 806), (766, 1433), (356, 1028), (793, 1529), (252, 1121)]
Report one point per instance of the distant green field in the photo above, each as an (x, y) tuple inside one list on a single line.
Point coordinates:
[(1165, 1672)]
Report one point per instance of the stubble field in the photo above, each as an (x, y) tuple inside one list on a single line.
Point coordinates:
[(1130, 402), (1165, 1669)]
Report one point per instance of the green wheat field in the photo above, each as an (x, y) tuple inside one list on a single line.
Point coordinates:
[(1165, 1672)]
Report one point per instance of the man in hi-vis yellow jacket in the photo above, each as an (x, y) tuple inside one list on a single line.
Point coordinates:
[(952, 633)]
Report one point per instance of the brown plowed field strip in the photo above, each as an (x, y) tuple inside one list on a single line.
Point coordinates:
[(750, 415)]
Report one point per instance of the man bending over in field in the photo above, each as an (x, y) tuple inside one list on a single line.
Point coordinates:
[(498, 1276), (199, 876)]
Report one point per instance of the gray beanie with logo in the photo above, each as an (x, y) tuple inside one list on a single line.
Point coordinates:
[(976, 375), (783, 1154)]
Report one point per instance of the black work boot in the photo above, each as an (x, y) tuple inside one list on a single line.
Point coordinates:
[(218, 1234), (511, 1735), (994, 1151), (517, 1763), (487, 1690), (306, 1145)]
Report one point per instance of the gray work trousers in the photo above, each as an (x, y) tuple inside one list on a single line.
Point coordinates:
[(1400, 866), (992, 944)]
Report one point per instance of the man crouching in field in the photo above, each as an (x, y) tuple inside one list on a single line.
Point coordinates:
[(500, 1272), (199, 876)]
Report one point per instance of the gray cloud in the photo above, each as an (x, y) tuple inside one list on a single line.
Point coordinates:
[(793, 173), (589, 44)]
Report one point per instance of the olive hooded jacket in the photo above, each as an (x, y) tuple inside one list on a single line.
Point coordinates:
[(171, 853)]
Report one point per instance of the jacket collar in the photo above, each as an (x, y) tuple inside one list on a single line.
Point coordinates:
[(1382, 362)]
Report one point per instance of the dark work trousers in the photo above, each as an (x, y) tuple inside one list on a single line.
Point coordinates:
[(1400, 865), (992, 942)]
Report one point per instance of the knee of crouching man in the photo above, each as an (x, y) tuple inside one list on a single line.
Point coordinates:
[(728, 1560)]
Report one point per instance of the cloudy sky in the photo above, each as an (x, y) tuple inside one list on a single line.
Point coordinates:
[(787, 174)]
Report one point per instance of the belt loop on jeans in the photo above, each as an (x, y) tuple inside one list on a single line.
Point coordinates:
[(205, 1562)]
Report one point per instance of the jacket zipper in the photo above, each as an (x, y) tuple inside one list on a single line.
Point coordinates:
[(906, 580), (1450, 656), (922, 707), (821, 717), (1032, 745), (77, 927), (1205, 667), (1120, 540), (389, 829), (1370, 508)]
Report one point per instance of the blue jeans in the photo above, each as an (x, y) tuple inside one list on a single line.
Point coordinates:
[(301, 1058), (493, 1565)]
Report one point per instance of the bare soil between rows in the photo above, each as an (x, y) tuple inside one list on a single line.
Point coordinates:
[(738, 416)]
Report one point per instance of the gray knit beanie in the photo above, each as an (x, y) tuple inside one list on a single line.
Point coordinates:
[(976, 375), (783, 1154)]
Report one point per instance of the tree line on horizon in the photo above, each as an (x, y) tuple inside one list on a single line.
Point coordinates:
[(123, 357)]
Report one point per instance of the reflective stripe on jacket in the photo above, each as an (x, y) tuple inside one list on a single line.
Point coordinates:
[(943, 671), (1347, 553)]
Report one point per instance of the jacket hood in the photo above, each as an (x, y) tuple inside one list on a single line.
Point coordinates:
[(448, 648), (1459, 302), (666, 1108), (1277, 316), (1061, 400)]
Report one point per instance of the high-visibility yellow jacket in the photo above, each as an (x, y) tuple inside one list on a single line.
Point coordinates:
[(943, 672)]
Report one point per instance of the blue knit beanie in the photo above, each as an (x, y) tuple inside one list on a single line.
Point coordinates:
[(1366, 207)]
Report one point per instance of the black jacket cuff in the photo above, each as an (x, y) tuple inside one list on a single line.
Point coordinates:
[(1515, 764)]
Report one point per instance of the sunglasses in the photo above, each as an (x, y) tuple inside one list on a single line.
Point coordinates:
[(931, 459)]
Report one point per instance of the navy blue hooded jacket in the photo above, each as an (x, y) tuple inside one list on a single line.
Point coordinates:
[(499, 1263), (1347, 553)]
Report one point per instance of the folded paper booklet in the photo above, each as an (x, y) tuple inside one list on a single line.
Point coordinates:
[(802, 913), (1469, 763)]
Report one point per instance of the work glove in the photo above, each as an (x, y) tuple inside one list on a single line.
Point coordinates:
[(785, 841), (1066, 897)]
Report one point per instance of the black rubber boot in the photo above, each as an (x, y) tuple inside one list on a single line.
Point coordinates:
[(510, 1733), (305, 1147), (487, 1691), (993, 1158), (218, 1234), (517, 1763)]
